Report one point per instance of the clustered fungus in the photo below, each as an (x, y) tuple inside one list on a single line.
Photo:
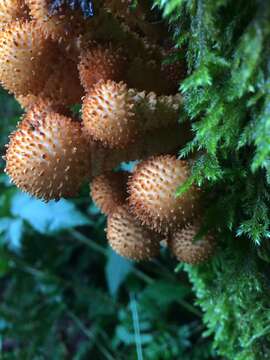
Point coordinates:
[(113, 65), (152, 189)]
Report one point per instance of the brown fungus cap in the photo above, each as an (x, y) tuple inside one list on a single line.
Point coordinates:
[(28, 102), (152, 193), (155, 112), (60, 24), (63, 85), (25, 58), (107, 115), (40, 103), (101, 63), (47, 156), (12, 10), (109, 190), (129, 238), (187, 248)]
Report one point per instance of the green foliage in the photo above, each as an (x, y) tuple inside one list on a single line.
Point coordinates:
[(234, 293), (227, 101)]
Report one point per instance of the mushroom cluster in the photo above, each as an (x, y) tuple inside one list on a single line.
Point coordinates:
[(113, 65)]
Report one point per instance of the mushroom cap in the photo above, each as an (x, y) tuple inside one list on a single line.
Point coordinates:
[(107, 115), (39, 103), (60, 24), (101, 63), (129, 238), (152, 189), (47, 155), (63, 85), (29, 101), (12, 10), (109, 190), (155, 112), (25, 58), (186, 248)]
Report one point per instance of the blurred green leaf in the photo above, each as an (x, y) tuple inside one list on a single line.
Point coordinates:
[(117, 269), (47, 217)]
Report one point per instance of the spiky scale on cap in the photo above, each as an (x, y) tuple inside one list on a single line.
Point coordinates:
[(59, 24), (107, 115), (63, 85), (28, 101), (153, 112), (101, 63), (47, 156), (12, 10), (129, 238), (25, 58), (187, 248), (41, 103), (152, 189), (109, 190)]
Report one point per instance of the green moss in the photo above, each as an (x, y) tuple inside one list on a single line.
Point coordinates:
[(227, 102), (234, 295)]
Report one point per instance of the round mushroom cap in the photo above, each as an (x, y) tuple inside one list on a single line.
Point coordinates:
[(47, 156), (26, 58), (107, 115), (187, 248), (129, 238), (101, 63), (109, 190), (152, 193)]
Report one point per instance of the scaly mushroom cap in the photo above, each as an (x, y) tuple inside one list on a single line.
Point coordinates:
[(59, 24), (107, 115), (28, 102), (25, 58), (41, 103), (101, 63), (47, 156), (12, 10), (129, 238), (109, 190), (187, 248), (63, 86), (152, 189)]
